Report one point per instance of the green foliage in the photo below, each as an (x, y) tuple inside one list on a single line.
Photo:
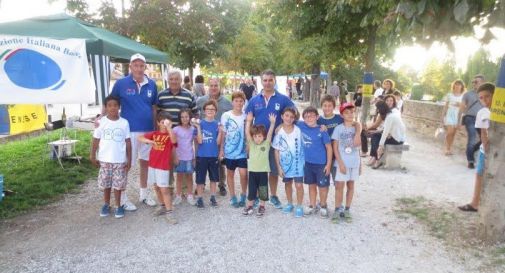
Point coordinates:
[(417, 92), (480, 63), (37, 180), (437, 77)]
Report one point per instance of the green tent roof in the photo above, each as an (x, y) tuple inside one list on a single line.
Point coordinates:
[(99, 41)]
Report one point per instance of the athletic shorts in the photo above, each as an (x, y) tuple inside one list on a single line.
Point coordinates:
[(112, 175), (184, 166), (158, 177), (139, 150), (204, 165), (290, 179), (352, 174), (314, 174), (481, 164), (232, 164)]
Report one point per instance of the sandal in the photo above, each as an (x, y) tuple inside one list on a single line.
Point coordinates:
[(468, 207), (377, 165)]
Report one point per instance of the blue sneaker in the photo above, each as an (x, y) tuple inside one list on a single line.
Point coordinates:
[(104, 212), (213, 201), (199, 203), (234, 202), (256, 203), (288, 208), (241, 203), (299, 212), (274, 200), (119, 212)]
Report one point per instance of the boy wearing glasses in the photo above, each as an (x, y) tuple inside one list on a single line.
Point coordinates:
[(208, 138)]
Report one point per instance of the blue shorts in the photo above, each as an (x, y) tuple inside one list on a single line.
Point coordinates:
[(314, 174), (184, 166), (204, 165), (480, 164), (290, 179), (232, 164)]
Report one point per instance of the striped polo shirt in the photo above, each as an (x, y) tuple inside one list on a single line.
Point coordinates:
[(173, 104)]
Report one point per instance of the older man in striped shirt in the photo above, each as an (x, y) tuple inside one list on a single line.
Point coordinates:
[(175, 98)]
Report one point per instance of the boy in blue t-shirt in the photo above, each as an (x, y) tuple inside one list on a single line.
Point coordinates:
[(316, 144), (346, 145), (330, 120), (209, 138)]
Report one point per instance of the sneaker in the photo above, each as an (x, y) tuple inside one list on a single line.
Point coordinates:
[(274, 200), (148, 201), (119, 212), (347, 215), (336, 217), (234, 202), (191, 200), (299, 212), (222, 190), (256, 203), (177, 200), (104, 212), (248, 211), (199, 203), (170, 219), (241, 203), (317, 208), (471, 165), (160, 211), (213, 201), (309, 210), (323, 212), (288, 208), (261, 211), (129, 206)]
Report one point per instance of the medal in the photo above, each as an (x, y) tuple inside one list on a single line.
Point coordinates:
[(348, 150)]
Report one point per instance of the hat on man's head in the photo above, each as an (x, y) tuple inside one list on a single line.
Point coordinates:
[(137, 56), (345, 105)]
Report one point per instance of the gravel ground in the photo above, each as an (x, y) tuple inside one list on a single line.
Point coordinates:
[(69, 236)]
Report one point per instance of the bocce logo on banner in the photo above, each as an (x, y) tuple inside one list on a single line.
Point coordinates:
[(40, 72)]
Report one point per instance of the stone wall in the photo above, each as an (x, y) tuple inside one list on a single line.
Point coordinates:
[(425, 117)]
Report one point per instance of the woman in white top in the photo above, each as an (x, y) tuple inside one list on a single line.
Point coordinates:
[(450, 113), (394, 132)]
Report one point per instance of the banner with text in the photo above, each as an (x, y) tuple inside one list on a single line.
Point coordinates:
[(21, 118), (42, 70)]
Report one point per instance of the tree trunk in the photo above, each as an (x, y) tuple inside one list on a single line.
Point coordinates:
[(190, 70), (306, 90), (369, 61), (492, 203), (315, 85)]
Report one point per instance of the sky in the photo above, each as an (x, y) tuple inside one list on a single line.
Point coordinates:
[(416, 57)]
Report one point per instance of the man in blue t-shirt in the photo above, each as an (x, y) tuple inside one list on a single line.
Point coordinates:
[(269, 101), (138, 96)]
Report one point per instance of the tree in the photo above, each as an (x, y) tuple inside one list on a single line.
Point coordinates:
[(480, 63)]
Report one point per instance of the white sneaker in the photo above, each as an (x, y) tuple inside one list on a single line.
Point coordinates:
[(308, 210), (129, 206), (191, 200), (177, 200), (323, 212), (148, 201)]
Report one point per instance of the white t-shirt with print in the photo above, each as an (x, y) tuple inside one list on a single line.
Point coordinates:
[(234, 142), (112, 135), (482, 121)]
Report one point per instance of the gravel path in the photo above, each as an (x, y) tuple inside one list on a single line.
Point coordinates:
[(69, 236)]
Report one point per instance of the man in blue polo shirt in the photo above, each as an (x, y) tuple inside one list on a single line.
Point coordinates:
[(138, 96), (266, 102)]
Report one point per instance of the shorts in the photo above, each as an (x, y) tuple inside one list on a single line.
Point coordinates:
[(112, 175), (481, 164), (184, 166), (271, 161), (139, 150), (352, 174), (258, 186), (290, 179), (314, 174), (204, 165), (158, 177), (232, 164)]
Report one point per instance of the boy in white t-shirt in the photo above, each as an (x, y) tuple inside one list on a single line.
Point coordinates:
[(485, 93), (112, 140)]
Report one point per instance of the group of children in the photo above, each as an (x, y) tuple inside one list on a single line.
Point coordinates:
[(304, 154)]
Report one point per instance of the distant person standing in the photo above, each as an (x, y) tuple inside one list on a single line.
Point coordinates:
[(343, 92), (249, 89), (199, 87), (451, 113), (298, 86), (334, 90), (470, 105), (138, 96), (187, 83)]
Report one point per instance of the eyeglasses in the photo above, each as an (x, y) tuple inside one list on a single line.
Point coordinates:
[(210, 109), (474, 82)]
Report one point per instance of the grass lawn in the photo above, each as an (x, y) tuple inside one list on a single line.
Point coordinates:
[(35, 178)]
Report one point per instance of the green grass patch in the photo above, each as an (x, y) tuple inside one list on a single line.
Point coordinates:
[(438, 221), (35, 178)]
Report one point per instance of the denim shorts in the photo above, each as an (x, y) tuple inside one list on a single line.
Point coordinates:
[(184, 166), (314, 174), (480, 164)]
